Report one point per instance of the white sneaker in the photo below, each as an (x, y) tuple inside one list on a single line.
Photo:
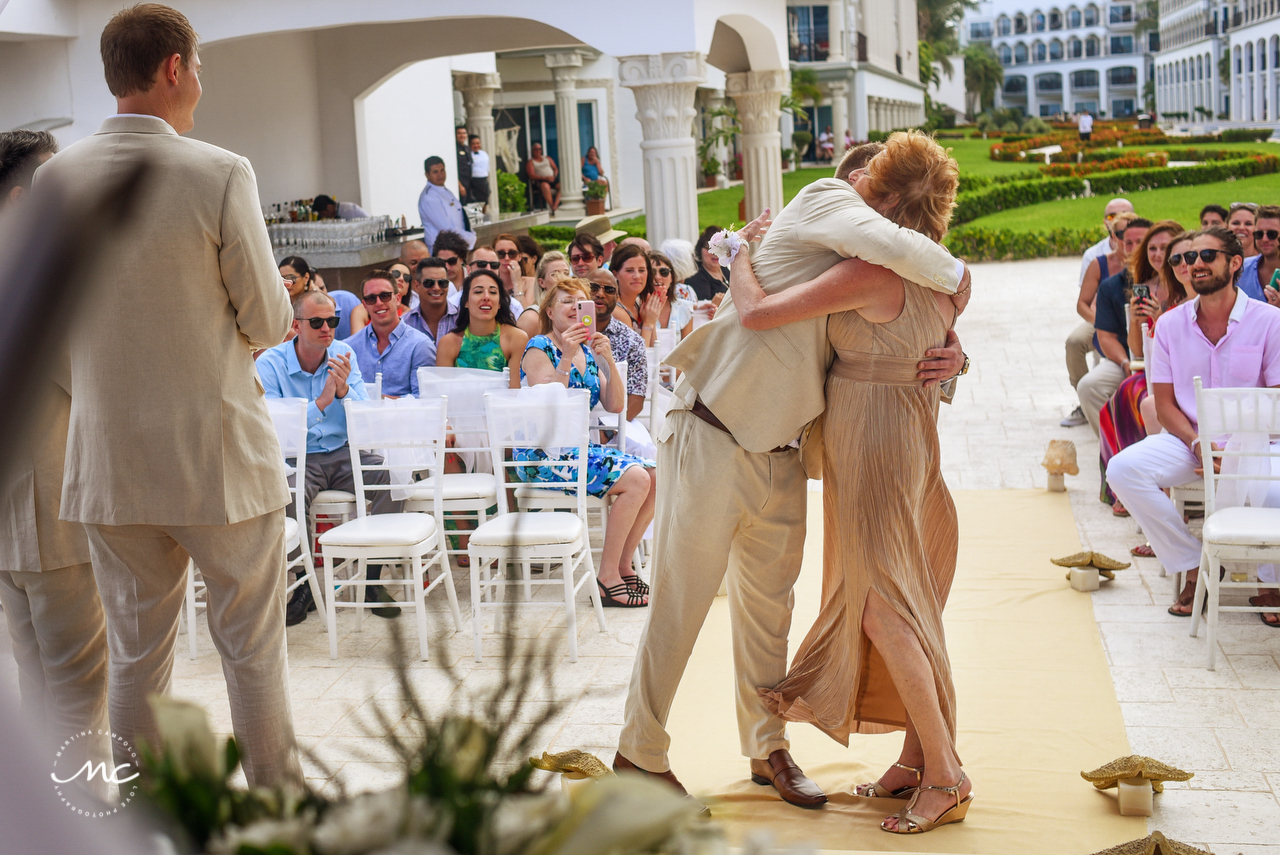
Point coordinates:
[(1075, 419)]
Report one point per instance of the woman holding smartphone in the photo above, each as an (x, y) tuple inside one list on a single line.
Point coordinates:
[(573, 354)]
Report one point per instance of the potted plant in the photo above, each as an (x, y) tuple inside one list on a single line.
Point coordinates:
[(801, 140), (737, 167), (787, 154), (594, 192), (710, 169)]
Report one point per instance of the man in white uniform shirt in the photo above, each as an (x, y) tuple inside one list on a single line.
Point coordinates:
[(479, 189), (1080, 342), (439, 209)]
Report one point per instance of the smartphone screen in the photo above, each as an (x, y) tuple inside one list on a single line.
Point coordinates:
[(587, 314)]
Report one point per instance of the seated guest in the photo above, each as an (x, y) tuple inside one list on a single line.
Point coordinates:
[(1213, 215), (711, 281), (568, 353), (592, 170), (413, 251), (438, 208), (486, 335), (1120, 419), (435, 315), (1257, 271), (530, 254), (676, 313), (1227, 340), (551, 268), (300, 276), (327, 209), (450, 248), (599, 227), (486, 258), (638, 241), (1096, 387), (544, 178), (326, 373), (1242, 220), (585, 254), (639, 302), (628, 347), (402, 279), (388, 346), (510, 270)]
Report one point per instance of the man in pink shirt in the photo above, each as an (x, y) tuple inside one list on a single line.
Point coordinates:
[(1227, 340)]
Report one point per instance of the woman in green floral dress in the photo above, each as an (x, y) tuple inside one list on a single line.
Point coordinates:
[(486, 336)]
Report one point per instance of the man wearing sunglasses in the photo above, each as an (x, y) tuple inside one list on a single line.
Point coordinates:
[(1228, 340), (325, 372), (386, 346), (1256, 273), (585, 255), (627, 346), (437, 314), (452, 249)]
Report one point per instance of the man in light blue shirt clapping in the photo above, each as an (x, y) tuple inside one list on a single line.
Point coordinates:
[(326, 373), (439, 209)]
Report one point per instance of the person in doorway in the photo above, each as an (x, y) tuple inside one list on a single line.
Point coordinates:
[(464, 164), (479, 187)]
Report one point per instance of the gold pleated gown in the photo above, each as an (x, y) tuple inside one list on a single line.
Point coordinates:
[(889, 525)]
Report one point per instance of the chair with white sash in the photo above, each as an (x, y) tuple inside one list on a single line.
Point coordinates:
[(409, 436), (1238, 527), (553, 419)]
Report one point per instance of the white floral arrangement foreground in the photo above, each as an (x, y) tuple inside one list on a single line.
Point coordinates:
[(455, 799)]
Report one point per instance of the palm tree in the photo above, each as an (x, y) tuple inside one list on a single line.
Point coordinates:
[(936, 22), (983, 74)]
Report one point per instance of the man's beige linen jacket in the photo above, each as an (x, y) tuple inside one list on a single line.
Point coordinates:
[(168, 424), (767, 386)]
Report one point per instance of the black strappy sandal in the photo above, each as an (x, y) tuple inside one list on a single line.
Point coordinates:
[(620, 597)]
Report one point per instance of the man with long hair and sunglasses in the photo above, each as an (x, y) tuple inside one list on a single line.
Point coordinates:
[(386, 346), (325, 372), (1256, 273), (1228, 340)]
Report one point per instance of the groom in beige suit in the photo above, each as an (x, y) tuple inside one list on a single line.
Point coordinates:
[(736, 453), (171, 453)]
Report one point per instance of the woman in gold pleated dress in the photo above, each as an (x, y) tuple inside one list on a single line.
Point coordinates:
[(876, 659)]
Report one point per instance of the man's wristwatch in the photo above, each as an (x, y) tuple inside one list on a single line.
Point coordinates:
[(964, 369)]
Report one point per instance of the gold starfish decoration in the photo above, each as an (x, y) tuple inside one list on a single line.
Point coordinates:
[(1135, 766), (575, 763), (1155, 844), (1087, 558)]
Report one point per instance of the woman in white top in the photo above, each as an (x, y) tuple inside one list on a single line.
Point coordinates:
[(676, 313)]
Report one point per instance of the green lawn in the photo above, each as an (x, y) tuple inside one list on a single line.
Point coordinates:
[(1177, 203), (973, 156)]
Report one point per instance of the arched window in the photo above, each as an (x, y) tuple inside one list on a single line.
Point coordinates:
[(1262, 55), (1038, 50), (1091, 46), (1049, 83), (1020, 23), (1208, 67), (1037, 22), (1124, 76), (1091, 16), (1248, 57), (1019, 53), (1015, 84), (1055, 19), (1086, 79), (1003, 25), (1006, 55), (1075, 48), (1073, 18), (1055, 49)]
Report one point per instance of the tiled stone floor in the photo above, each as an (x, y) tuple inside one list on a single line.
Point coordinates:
[(1224, 725)]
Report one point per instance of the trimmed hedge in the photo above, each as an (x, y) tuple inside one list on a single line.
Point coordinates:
[(1006, 245), (552, 236), (1246, 135), (1131, 161), (999, 197)]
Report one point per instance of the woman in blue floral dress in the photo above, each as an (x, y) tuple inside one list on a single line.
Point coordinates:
[(569, 353)]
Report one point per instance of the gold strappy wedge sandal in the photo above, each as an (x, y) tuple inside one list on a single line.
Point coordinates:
[(910, 823), (875, 791)]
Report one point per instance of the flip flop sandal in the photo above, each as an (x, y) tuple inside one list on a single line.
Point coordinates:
[(1262, 616), (1143, 551)]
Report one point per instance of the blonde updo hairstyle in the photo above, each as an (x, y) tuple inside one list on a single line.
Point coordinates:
[(580, 288), (913, 182)]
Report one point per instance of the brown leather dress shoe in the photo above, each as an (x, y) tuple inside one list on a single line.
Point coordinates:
[(785, 776), (623, 766)]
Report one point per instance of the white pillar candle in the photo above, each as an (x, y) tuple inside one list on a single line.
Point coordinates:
[(1085, 578), (1135, 794)]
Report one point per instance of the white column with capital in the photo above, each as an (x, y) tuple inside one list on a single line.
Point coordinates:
[(664, 86), (477, 96), (564, 71), (758, 95), (839, 113)]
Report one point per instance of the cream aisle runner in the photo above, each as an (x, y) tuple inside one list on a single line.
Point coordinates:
[(1036, 705)]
